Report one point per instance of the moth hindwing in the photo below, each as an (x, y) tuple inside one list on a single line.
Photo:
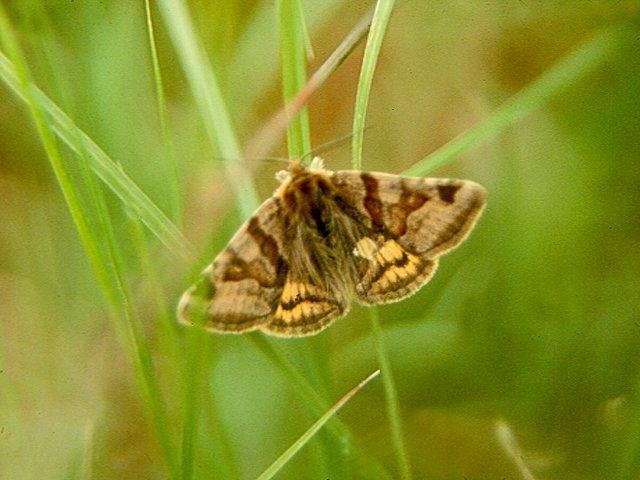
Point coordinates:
[(325, 238)]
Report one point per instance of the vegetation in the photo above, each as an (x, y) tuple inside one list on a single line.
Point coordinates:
[(122, 131)]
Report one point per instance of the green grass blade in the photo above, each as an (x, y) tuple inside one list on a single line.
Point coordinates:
[(259, 41), (372, 50), (294, 73), (165, 313), (368, 466), (176, 200), (86, 467), (308, 46), (143, 363), (141, 355), (292, 32), (106, 169), (209, 99), (262, 142), (393, 407), (584, 59), (379, 24), (298, 444), (194, 370), (213, 111), (21, 82)]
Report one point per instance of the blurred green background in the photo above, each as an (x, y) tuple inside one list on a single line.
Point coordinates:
[(533, 323)]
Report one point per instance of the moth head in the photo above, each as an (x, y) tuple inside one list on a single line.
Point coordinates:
[(296, 167), (317, 165)]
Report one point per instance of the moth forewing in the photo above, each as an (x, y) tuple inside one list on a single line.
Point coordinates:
[(326, 237), (412, 221), (244, 280)]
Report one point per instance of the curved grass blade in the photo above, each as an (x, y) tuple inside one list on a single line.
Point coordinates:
[(215, 115), (262, 142), (106, 269), (208, 96), (294, 72), (298, 444), (106, 169), (582, 60), (176, 201), (379, 23)]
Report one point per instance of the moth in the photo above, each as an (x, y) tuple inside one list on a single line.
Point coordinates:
[(325, 238)]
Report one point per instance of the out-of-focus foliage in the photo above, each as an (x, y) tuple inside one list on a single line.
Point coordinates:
[(533, 322)]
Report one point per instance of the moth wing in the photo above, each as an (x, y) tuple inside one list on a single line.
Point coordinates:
[(409, 222), (239, 290), (304, 309)]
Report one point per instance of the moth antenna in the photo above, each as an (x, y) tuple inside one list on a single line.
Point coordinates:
[(259, 159), (274, 159), (330, 145)]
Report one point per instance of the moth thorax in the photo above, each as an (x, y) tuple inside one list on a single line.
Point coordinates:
[(306, 198)]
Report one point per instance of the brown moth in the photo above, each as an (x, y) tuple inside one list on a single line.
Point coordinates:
[(325, 238)]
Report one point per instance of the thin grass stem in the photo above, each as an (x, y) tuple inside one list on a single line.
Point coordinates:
[(391, 395), (294, 72), (304, 439), (379, 23), (176, 197), (582, 60), (208, 96), (103, 166)]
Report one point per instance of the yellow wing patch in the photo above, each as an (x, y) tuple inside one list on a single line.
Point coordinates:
[(392, 272), (304, 309), (302, 302)]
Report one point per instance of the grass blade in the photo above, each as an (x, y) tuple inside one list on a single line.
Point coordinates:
[(194, 349), (379, 23), (262, 142), (106, 169), (298, 444), (213, 111), (21, 83), (308, 46), (393, 407), (176, 201), (103, 268), (143, 363), (208, 96), (585, 58), (294, 73), (86, 467), (367, 466), (507, 440)]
